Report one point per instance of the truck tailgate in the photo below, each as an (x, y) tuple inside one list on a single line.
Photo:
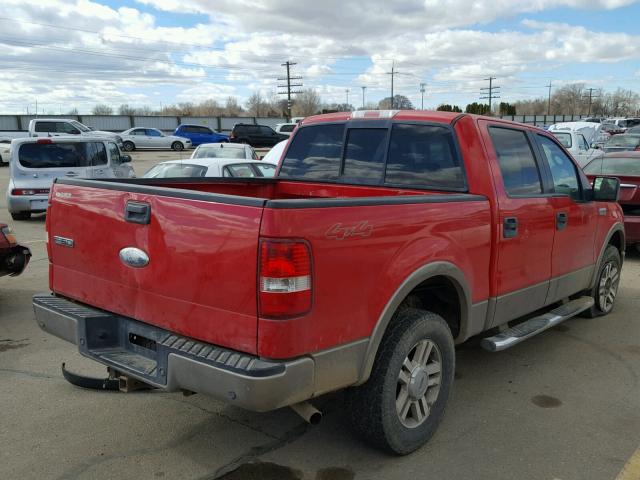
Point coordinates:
[(202, 248)]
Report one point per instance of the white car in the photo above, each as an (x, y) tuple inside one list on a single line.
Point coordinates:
[(212, 167), (5, 152), (274, 155), (139, 138), (225, 150), (579, 138), (286, 128)]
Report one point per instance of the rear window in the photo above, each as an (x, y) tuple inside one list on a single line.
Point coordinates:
[(59, 155), (614, 166), (365, 153), (176, 170), (563, 138), (219, 152), (287, 128), (265, 169), (239, 170)]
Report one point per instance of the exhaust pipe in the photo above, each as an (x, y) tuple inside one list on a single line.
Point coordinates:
[(308, 412)]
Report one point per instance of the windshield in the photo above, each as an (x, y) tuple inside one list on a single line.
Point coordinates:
[(615, 166), (172, 170), (79, 126), (219, 152), (563, 138)]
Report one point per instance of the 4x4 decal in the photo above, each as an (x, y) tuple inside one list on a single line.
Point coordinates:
[(340, 232)]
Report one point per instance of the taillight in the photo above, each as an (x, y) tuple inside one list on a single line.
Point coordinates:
[(231, 136), (284, 278), (30, 191), (637, 147), (8, 234)]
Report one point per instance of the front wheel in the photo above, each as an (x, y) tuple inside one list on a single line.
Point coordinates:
[(401, 405), (177, 146), (128, 146), (605, 289)]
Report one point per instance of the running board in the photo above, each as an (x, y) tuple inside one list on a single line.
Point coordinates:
[(527, 329)]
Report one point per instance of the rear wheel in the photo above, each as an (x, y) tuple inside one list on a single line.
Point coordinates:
[(605, 289), (21, 215), (177, 146), (128, 146), (401, 405)]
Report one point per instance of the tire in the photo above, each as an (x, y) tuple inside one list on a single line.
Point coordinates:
[(21, 215), (177, 146), (371, 407), (128, 146), (605, 289)]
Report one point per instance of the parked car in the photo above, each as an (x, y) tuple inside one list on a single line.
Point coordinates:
[(275, 154), (5, 149), (14, 258), (622, 123), (139, 138), (286, 128), (612, 128), (199, 134), (577, 145), (623, 142), (35, 163), (56, 127), (593, 119), (635, 130), (626, 167), (255, 135), (387, 238), (211, 167), (225, 150)]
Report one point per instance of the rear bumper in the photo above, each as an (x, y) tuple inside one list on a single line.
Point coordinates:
[(171, 362), (632, 229), (14, 260), (27, 203)]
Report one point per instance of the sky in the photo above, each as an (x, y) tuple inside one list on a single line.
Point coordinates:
[(66, 54)]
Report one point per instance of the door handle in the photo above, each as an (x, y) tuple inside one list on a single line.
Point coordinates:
[(561, 220), (510, 227), (71, 174), (137, 212)]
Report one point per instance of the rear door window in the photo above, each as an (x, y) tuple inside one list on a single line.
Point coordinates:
[(365, 153), (520, 173), (97, 154), (315, 152), (54, 155), (424, 156)]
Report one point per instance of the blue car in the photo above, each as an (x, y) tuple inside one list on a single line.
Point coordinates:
[(199, 134)]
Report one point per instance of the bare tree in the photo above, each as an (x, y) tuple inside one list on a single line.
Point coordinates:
[(257, 106), (126, 109), (232, 108), (306, 103), (102, 109)]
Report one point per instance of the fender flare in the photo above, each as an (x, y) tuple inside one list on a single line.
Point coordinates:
[(615, 228), (444, 269)]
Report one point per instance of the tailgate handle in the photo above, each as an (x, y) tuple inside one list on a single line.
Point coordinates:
[(137, 212)]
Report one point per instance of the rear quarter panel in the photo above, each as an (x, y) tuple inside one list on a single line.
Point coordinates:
[(354, 277)]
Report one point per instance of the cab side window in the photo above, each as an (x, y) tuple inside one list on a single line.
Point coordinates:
[(97, 154), (563, 170), (518, 166)]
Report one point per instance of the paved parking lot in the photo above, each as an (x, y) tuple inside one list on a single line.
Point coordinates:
[(564, 405)]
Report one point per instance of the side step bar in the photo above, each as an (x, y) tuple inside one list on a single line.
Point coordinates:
[(527, 329)]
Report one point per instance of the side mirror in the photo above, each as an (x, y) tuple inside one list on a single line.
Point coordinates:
[(606, 189), (125, 158), (595, 146)]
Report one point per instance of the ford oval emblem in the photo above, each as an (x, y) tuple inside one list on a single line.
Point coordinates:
[(134, 257)]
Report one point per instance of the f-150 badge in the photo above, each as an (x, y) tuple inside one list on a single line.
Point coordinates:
[(340, 232)]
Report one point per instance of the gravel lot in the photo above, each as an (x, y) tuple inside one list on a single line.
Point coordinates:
[(564, 405)]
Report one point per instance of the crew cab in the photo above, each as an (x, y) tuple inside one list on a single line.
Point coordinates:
[(56, 127), (386, 238)]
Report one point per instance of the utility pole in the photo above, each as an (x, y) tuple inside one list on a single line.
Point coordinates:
[(392, 73), (363, 89), (289, 85), (549, 102), (422, 93), (591, 97), (347, 92), (490, 93)]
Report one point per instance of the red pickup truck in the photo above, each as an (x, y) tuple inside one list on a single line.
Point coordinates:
[(385, 239)]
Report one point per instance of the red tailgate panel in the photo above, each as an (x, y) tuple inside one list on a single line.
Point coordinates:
[(201, 277)]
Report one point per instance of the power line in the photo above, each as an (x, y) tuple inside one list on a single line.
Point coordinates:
[(489, 93), (289, 85)]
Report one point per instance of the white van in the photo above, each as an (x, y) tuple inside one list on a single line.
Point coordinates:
[(36, 162)]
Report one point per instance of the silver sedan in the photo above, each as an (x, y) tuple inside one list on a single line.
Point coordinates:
[(138, 138)]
